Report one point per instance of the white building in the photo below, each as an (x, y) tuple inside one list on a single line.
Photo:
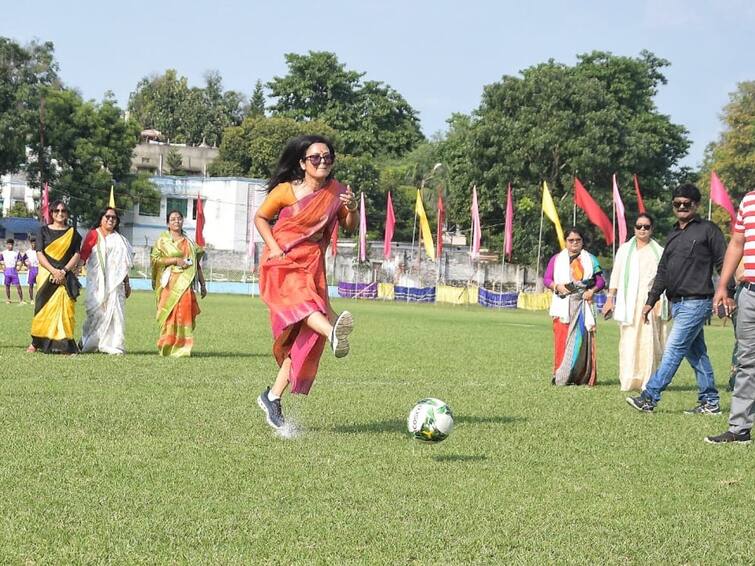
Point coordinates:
[(14, 189), (230, 204)]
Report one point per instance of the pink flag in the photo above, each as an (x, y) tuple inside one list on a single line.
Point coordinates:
[(390, 222), (508, 237), (720, 196), (475, 224), (362, 231), (45, 207), (441, 220), (640, 202), (620, 218)]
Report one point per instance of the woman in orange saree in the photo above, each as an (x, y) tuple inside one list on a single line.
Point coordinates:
[(176, 269), (309, 204)]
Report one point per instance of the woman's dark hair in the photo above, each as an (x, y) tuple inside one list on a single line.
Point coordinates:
[(288, 168), (167, 216), (687, 190), (102, 214), (646, 215), (578, 232)]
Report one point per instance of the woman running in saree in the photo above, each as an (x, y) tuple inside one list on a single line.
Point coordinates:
[(574, 275), (108, 257), (55, 302), (309, 204), (175, 271)]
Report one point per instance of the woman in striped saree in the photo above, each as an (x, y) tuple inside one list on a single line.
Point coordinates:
[(176, 270), (55, 302)]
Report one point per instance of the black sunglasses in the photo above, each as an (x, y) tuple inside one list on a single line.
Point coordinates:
[(111, 217), (60, 210), (679, 204), (643, 226), (315, 159)]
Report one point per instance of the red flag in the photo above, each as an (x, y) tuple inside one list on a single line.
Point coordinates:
[(720, 196), (334, 240), (621, 220), (199, 232), (593, 211), (441, 221), (45, 208), (508, 237), (640, 202), (390, 223)]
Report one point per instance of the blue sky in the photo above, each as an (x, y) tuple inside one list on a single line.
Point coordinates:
[(437, 54)]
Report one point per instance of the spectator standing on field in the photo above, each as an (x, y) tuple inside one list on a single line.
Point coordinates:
[(685, 272)]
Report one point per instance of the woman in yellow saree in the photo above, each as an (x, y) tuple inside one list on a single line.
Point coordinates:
[(176, 270), (308, 204), (55, 302)]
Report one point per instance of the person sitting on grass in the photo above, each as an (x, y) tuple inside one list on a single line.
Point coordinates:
[(309, 204), (10, 260)]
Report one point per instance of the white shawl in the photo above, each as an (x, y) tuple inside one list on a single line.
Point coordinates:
[(625, 278), (562, 275)]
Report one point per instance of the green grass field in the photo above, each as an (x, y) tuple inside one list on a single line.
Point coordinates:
[(143, 459)]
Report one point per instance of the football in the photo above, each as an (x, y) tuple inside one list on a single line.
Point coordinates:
[(431, 420)]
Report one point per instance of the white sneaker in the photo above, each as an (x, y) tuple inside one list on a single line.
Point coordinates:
[(339, 341)]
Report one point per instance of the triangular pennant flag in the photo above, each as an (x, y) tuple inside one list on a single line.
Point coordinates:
[(424, 227), (592, 209), (720, 196), (390, 223), (362, 231), (199, 233), (476, 237), (621, 220), (549, 209), (441, 221), (508, 235), (111, 204), (640, 202)]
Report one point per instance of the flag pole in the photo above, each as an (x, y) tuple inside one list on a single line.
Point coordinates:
[(710, 205), (613, 228), (539, 243)]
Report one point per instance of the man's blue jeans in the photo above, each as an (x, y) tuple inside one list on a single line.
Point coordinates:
[(686, 340)]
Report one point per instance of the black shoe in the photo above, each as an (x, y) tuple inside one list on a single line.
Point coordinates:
[(641, 404), (729, 438), (704, 409), (273, 410)]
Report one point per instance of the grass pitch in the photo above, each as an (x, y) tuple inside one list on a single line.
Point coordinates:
[(142, 459)]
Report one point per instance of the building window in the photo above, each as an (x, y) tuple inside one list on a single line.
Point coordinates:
[(179, 204), (149, 207)]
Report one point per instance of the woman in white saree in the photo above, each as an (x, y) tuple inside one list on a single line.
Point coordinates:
[(640, 345), (108, 257)]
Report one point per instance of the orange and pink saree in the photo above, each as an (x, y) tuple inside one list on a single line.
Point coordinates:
[(294, 286)]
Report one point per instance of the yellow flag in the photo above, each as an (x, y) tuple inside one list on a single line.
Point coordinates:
[(550, 211), (111, 204), (424, 227)]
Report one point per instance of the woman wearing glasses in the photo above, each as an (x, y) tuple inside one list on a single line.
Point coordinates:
[(634, 267), (309, 204), (108, 257), (176, 270), (574, 275), (54, 305)]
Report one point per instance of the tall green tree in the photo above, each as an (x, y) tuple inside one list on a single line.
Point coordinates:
[(256, 105), (26, 72), (732, 156), (554, 122), (252, 149), (371, 118)]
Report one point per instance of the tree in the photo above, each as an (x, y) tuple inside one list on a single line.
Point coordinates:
[(256, 105), (554, 122), (252, 149), (19, 210), (183, 114), (732, 156), (25, 73), (91, 145), (174, 161), (371, 118)]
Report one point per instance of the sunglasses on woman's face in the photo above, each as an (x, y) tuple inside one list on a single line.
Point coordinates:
[(642, 226), (315, 159), (60, 211), (110, 217)]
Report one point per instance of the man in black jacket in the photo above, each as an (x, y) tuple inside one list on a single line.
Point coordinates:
[(685, 272)]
